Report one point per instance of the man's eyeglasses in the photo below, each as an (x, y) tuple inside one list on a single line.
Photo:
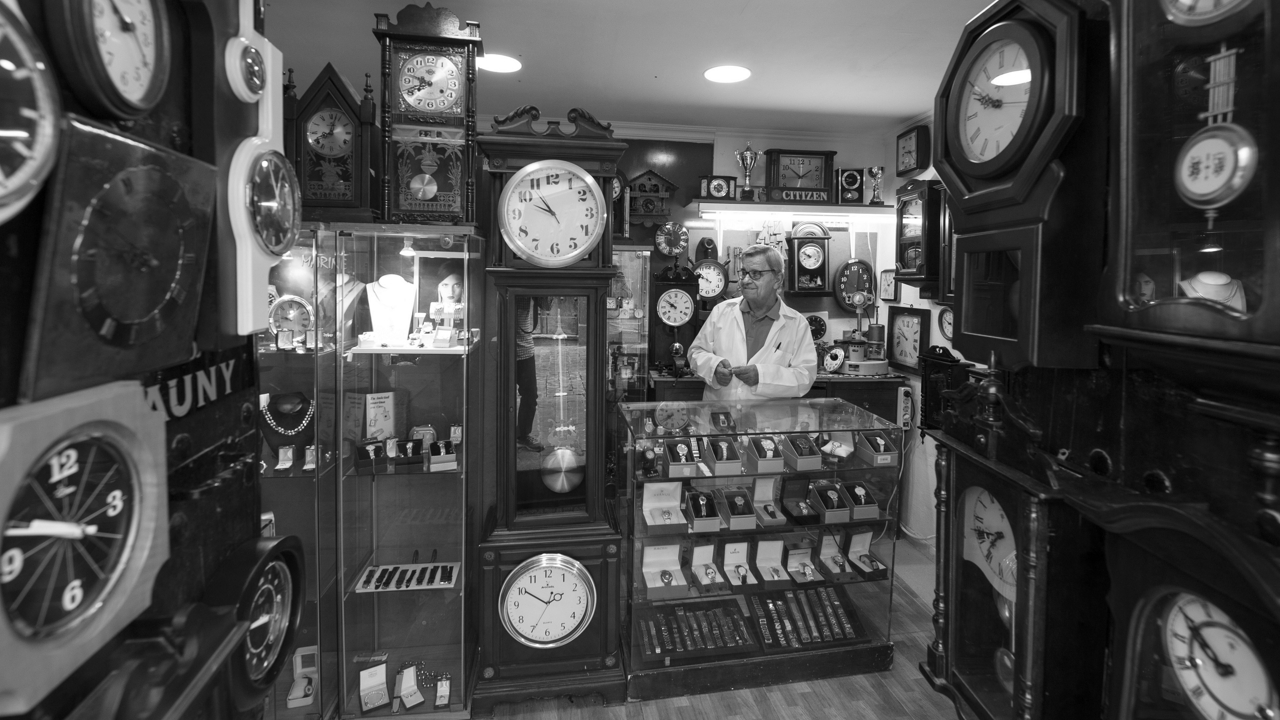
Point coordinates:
[(755, 275)]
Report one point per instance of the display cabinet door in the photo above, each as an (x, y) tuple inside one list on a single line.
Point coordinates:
[(946, 253)]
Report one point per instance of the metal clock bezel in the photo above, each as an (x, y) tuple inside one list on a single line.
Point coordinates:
[(1180, 17), (692, 306), (538, 562), (509, 188), (662, 238), (724, 273), (1245, 148), (274, 326), (49, 109)]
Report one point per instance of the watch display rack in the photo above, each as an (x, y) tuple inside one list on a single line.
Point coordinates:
[(762, 533), (407, 297), (297, 372)]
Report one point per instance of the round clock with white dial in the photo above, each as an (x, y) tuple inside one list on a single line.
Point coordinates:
[(947, 322), (833, 360), (712, 279), (329, 132), (430, 83), (552, 213), (275, 202), (115, 53), (31, 123), (671, 414), (989, 540), (675, 307), (291, 313), (547, 601), (811, 257)]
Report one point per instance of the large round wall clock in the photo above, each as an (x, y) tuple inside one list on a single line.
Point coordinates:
[(329, 132), (853, 278), (552, 213), (712, 279), (675, 307), (114, 53), (547, 601), (31, 124), (999, 98), (83, 512)]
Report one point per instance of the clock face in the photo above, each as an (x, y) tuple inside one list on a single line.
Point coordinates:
[(291, 313), (69, 527), (672, 415), (1200, 12), (1215, 165), (552, 213), (833, 360), (811, 257), (851, 179), (130, 278), (853, 286), (718, 188), (907, 153), (906, 340), (329, 132), (989, 540), (547, 601), (125, 31), (711, 279), (817, 327), (430, 83), (1001, 83), (675, 307), (1214, 661), (253, 69), (29, 118), (946, 322), (803, 171), (671, 239), (275, 202), (912, 214), (269, 616)]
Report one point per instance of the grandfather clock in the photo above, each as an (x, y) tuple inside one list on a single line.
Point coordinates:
[(428, 115), (549, 555)]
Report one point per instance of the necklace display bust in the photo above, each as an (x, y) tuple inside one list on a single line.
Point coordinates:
[(391, 303), (1215, 286)]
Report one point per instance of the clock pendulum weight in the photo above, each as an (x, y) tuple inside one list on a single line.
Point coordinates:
[(562, 470)]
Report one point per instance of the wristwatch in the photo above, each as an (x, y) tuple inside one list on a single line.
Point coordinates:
[(666, 516), (702, 503), (772, 513), (742, 572), (724, 450), (808, 571), (839, 561), (667, 577), (835, 499), (804, 507), (711, 573), (739, 502), (767, 445)]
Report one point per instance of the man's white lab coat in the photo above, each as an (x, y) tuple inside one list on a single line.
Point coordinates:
[(787, 362)]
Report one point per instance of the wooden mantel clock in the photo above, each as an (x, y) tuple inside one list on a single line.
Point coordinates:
[(549, 556)]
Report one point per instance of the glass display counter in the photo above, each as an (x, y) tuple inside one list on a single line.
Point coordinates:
[(763, 539), (407, 296), (297, 361)]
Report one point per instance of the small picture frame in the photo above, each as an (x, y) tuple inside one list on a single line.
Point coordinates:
[(888, 286)]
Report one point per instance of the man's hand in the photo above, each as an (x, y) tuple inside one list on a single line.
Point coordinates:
[(724, 373), (748, 374)]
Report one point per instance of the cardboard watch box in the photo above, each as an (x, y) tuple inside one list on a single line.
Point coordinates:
[(763, 497), (832, 561), (831, 504), (703, 567), (795, 501), (769, 565), (712, 450), (800, 453), (736, 507), (762, 455), (680, 466), (735, 560), (866, 565), (700, 509), (869, 449), (657, 559), (863, 504), (660, 506)]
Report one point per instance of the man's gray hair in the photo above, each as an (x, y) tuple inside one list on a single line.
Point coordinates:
[(772, 257)]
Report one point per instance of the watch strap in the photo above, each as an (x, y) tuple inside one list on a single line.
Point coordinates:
[(808, 616), (765, 637), (730, 636), (797, 616), (666, 633), (653, 632), (644, 639), (715, 629), (849, 634), (823, 625), (831, 615), (697, 632), (684, 628), (786, 624)]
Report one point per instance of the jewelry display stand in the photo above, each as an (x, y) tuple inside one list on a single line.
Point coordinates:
[(1216, 287)]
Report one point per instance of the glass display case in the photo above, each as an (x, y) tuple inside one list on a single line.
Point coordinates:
[(628, 337), (297, 362), (763, 533), (406, 299)]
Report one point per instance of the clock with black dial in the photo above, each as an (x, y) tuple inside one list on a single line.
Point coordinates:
[(852, 286)]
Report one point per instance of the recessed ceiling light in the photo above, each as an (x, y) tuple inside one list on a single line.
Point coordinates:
[(1013, 77), (498, 63), (727, 74)]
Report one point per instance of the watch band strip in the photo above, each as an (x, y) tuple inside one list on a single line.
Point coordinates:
[(797, 616), (823, 625), (840, 613), (742, 629), (831, 615), (431, 579), (765, 637), (730, 638), (786, 623), (808, 616), (713, 640), (684, 628), (697, 632), (657, 644), (666, 634), (644, 638), (715, 629), (675, 632), (777, 624)]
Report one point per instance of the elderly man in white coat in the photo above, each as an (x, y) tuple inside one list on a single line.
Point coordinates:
[(754, 347)]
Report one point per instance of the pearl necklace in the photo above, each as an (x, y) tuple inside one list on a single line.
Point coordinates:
[(266, 413)]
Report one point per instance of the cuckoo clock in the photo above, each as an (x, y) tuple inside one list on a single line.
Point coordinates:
[(650, 202), (332, 139), (428, 115)]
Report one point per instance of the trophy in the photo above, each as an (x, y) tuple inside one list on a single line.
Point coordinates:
[(747, 160), (876, 172)]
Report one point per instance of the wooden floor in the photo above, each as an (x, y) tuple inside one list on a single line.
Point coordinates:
[(896, 694)]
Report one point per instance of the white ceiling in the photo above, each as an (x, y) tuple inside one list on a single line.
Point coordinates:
[(818, 66)]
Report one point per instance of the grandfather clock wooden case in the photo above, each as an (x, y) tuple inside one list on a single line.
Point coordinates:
[(553, 502)]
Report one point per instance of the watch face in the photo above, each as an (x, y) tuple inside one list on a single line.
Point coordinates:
[(833, 360), (291, 313), (253, 69), (851, 179), (989, 541), (671, 239), (946, 323), (911, 213), (69, 526), (811, 257), (672, 415), (30, 121), (552, 213), (853, 288), (1000, 84), (711, 278), (275, 202), (547, 601), (125, 34), (329, 132), (269, 617), (1200, 12), (431, 83), (804, 171), (675, 307), (718, 188)]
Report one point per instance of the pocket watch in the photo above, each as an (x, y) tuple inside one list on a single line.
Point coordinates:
[(32, 126), (671, 239), (712, 279), (547, 601), (291, 313), (114, 53), (329, 132), (675, 307), (552, 213)]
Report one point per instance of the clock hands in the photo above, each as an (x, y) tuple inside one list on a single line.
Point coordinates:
[(262, 620), (546, 207), (1224, 669), (53, 528), (127, 25)]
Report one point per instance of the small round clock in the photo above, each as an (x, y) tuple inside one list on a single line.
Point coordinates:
[(999, 99), (547, 601), (833, 360), (33, 127), (246, 68), (329, 132), (850, 182), (671, 414), (431, 83), (552, 213), (811, 257), (291, 313), (946, 322), (675, 307), (1194, 13), (671, 239), (712, 279), (852, 278), (269, 614), (115, 53), (275, 202), (718, 188), (1215, 165), (817, 327)]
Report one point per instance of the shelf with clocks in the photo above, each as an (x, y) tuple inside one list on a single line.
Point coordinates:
[(721, 207), (761, 536)]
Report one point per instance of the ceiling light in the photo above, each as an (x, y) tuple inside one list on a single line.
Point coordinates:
[(498, 63), (727, 74), (1013, 77), (407, 250)]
